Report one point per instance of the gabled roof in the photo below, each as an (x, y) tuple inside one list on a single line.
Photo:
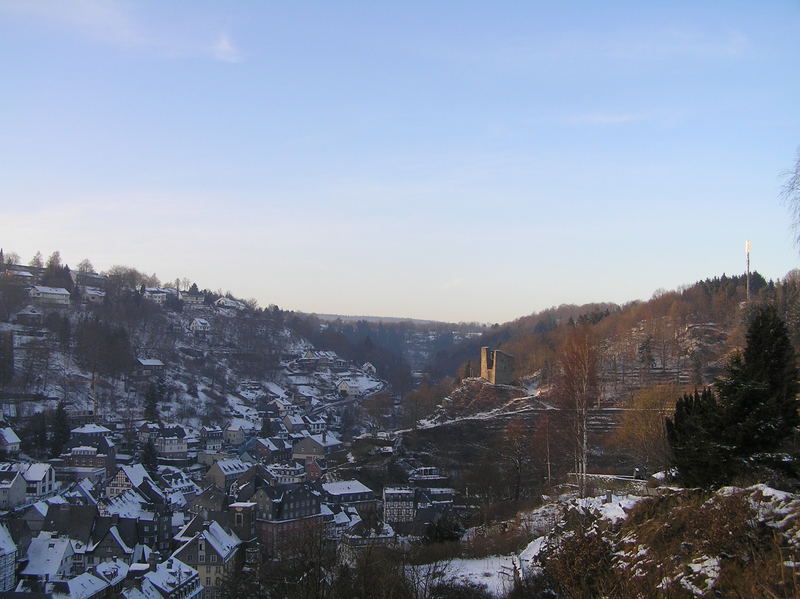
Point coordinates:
[(8, 436), (136, 474), (345, 487), (46, 554), (91, 428), (53, 290)]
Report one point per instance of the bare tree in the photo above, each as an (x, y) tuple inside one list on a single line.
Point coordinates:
[(85, 266), (578, 388), (791, 195)]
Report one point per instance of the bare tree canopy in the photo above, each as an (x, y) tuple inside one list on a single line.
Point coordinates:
[(791, 195)]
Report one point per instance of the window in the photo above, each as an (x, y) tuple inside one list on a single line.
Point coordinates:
[(208, 581)]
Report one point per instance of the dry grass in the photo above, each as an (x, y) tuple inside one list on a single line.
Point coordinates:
[(733, 543)]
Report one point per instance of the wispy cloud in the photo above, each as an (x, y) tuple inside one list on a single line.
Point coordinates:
[(123, 25), (224, 49)]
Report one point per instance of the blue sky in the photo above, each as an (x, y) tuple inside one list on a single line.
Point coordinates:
[(446, 160)]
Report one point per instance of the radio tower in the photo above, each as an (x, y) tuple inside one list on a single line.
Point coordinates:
[(747, 255)]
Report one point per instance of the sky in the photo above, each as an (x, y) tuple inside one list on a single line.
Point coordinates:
[(457, 161)]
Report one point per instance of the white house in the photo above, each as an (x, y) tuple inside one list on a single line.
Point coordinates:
[(226, 302), (199, 326), (369, 368), (40, 478), (192, 299), (49, 557), (9, 441), (50, 295), (348, 387), (154, 294)]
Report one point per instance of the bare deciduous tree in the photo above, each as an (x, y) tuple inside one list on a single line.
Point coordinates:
[(791, 195), (578, 389)]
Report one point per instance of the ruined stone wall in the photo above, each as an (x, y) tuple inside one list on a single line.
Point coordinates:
[(496, 366)]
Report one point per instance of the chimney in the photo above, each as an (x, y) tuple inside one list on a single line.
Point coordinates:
[(152, 561), (324, 436)]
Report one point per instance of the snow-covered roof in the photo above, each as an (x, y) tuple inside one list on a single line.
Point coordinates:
[(150, 362), (83, 586), (344, 487), (35, 472), (6, 542), (46, 554), (326, 439), (169, 574), (222, 542), (91, 428), (112, 572), (136, 474), (201, 322), (51, 290), (8, 435), (232, 466)]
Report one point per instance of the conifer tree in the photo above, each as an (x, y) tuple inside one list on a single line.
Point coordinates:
[(61, 432), (151, 399), (755, 411), (693, 434), (150, 457), (758, 395)]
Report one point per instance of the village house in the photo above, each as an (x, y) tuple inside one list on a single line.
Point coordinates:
[(398, 505), (12, 489), (224, 472), (8, 560), (214, 553), (127, 477), (93, 295), (191, 299), (155, 295), (226, 302), (171, 579), (286, 516), (148, 367), (324, 445), (30, 316), (348, 493), (369, 369), (234, 434), (200, 327), (9, 441), (49, 556), (55, 296), (211, 436), (40, 478)]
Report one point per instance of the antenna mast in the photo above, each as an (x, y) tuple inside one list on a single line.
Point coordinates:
[(747, 254)]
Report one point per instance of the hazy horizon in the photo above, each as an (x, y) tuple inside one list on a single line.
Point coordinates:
[(450, 162)]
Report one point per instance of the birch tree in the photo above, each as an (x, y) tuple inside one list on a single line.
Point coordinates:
[(578, 389)]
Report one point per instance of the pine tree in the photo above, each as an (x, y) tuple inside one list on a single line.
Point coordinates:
[(151, 399), (61, 432), (693, 434), (150, 457), (755, 411), (758, 395)]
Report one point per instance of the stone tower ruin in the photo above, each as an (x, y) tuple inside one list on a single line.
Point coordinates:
[(496, 366)]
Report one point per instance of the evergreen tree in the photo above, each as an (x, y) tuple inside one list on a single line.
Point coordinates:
[(150, 457), (6, 357), (151, 399), (716, 439), (693, 436), (61, 432), (758, 395)]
